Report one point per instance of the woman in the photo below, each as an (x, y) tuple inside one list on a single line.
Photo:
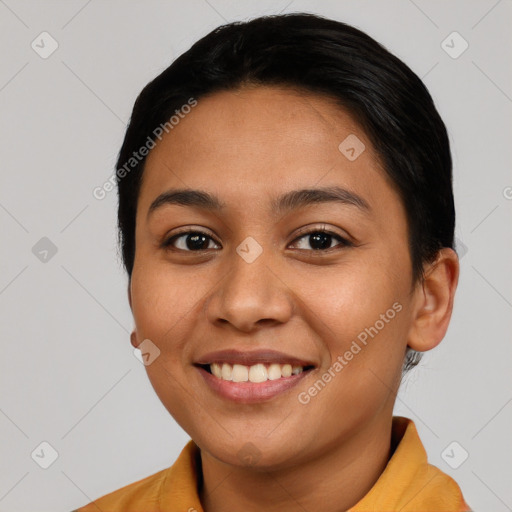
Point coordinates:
[(286, 221)]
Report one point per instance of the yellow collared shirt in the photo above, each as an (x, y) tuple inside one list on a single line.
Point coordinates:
[(407, 484)]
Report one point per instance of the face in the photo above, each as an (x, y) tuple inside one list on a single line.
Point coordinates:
[(318, 281)]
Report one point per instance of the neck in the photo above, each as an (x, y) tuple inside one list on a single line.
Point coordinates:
[(338, 478)]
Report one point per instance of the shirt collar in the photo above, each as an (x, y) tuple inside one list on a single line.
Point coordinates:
[(408, 482)]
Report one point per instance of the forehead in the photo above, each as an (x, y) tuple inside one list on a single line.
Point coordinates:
[(264, 121), (251, 143)]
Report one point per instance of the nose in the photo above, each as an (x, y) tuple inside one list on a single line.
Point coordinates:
[(250, 296)]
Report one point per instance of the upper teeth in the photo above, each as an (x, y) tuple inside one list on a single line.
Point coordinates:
[(255, 373)]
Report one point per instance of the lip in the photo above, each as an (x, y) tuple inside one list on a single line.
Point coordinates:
[(251, 392), (249, 358)]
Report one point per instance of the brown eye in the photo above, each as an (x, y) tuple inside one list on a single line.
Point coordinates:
[(190, 241), (321, 240)]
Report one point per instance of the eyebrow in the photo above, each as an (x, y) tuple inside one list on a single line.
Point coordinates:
[(285, 203)]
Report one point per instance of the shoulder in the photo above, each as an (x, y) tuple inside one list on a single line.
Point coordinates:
[(163, 490)]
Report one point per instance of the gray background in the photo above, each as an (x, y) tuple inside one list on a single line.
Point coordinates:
[(68, 375)]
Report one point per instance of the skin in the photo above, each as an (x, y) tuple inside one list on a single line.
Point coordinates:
[(246, 147)]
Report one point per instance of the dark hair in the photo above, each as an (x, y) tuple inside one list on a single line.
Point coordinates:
[(326, 57)]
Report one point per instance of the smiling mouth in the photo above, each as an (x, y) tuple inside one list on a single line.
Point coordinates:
[(256, 373)]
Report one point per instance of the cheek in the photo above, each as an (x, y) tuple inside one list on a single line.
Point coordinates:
[(364, 357), (159, 300), (161, 310), (351, 297), (160, 315), (360, 309)]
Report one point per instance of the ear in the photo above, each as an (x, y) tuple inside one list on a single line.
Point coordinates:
[(434, 301), (133, 335), (133, 339)]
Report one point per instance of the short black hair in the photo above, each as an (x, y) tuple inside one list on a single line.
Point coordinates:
[(318, 55)]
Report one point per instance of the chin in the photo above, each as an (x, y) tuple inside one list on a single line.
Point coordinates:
[(254, 451)]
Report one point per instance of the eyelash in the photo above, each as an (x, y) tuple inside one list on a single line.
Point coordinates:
[(167, 244)]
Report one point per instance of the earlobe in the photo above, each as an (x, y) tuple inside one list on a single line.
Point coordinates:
[(133, 335), (434, 303), (133, 339)]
